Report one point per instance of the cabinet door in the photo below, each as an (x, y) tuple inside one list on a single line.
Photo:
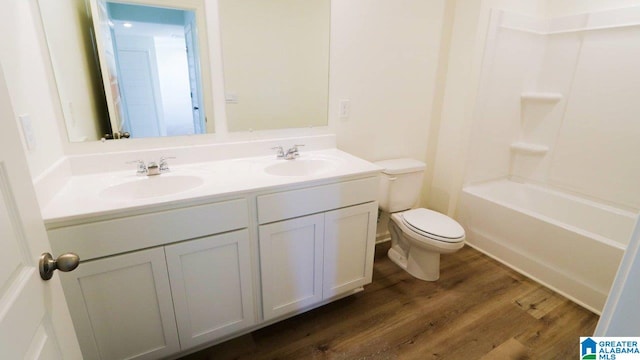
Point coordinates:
[(349, 241), (291, 264), (121, 306), (211, 286)]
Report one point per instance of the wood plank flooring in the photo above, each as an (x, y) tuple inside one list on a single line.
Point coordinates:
[(479, 309)]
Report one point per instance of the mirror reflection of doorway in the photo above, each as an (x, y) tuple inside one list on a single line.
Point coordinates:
[(156, 71)]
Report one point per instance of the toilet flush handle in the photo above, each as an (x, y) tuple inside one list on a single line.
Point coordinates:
[(393, 178)]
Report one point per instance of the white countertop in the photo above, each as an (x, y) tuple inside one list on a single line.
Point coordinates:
[(80, 199)]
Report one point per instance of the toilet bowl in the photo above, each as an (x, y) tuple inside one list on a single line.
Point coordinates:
[(418, 236)]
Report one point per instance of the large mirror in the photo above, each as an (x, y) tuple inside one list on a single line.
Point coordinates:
[(275, 63)]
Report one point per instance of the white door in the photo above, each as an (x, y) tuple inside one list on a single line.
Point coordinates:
[(191, 40), (34, 319), (140, 90)]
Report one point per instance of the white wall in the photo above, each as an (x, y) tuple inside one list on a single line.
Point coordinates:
[(384, 57), (276, 62), (471, 20), (22, 55), (78, 82)]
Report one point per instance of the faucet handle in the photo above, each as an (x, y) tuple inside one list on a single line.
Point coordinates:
[(280, 153), (164, 165), (294, 150), (142, 168)]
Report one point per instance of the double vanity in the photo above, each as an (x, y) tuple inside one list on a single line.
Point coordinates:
[(210, 250)]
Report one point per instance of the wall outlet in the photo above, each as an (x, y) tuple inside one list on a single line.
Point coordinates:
[(345, 108), (27, 131)]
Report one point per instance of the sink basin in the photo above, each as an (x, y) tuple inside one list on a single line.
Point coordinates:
[(152, 186), (300, 167)]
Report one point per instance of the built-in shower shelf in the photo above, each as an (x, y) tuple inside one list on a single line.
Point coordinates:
[(541, 96), (529, 148)]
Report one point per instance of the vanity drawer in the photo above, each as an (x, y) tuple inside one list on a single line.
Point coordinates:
[(104, 238), (294, 203)]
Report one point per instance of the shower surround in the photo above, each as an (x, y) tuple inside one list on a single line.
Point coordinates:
[(551, 185)]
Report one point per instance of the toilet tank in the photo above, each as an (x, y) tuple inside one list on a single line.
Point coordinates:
[(400, 184)]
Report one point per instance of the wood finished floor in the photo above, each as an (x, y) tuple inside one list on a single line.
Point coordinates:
[(479, 309)]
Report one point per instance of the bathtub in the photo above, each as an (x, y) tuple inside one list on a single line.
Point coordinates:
[(569, 244)]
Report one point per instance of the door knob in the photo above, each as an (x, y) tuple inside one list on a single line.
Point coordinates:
[(65, 262)]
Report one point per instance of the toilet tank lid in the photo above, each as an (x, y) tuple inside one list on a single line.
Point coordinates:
[(401, 166)]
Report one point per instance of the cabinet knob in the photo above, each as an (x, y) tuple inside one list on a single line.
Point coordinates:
[(65, 262)]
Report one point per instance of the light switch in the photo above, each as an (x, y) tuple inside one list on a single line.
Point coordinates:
[(27, 131), (345, 108)]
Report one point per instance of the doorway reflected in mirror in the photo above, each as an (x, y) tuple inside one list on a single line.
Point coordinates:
[(142, 68), (151, 79)]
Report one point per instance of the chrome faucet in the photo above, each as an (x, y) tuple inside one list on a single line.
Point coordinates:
[(152, 168), (291, 154)]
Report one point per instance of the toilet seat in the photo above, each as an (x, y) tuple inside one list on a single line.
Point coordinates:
[(440, 227)]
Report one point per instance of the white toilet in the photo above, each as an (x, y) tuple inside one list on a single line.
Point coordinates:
[(418, 236)]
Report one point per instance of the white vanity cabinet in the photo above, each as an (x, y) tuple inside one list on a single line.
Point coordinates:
[(312, 258), (349, 245), (291, 264), (121, 307), (211, 286), (158, 281), (192, 285)]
